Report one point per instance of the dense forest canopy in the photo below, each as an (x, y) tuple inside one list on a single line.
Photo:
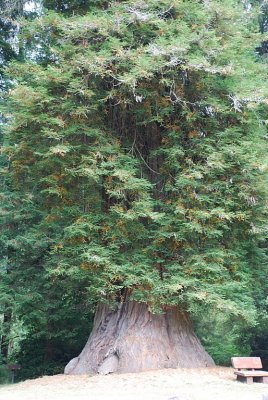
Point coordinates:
[(134, 165)]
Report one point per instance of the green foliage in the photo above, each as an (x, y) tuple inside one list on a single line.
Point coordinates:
[(47, 351), (71, 7), (4, 375), (10, 8), (225, 337), (221, 337), (137, 164)]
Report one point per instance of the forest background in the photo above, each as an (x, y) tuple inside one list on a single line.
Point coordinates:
[(47, 312)]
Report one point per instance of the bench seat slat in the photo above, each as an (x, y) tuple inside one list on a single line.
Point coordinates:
[(251, 373)]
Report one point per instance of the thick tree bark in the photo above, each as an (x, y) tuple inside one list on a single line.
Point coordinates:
[(131, 339)]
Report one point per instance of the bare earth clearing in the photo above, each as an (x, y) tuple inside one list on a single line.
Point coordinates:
[(186, 384)]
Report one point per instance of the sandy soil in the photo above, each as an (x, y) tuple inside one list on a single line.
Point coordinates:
[(183, 384)]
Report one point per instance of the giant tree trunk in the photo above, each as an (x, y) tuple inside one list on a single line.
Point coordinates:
[(132, 339)]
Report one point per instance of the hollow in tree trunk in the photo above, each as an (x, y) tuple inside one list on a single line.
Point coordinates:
[(131, 339)]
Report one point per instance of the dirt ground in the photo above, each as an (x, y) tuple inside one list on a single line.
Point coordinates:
[(181, 384)]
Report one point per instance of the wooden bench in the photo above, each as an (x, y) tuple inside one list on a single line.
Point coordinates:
[(247, 369)]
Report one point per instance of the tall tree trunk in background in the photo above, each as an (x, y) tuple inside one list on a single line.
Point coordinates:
[(132, 339), (4, 343)]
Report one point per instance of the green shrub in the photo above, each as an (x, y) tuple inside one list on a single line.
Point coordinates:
[(222, 337), (4, 374)]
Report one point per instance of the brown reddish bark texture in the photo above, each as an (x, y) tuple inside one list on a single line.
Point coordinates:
[(132, 339)]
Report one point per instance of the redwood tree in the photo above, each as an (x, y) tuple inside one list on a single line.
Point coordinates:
[(139, 138)]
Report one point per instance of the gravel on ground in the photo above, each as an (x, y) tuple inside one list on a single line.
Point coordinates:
[(217, 383)]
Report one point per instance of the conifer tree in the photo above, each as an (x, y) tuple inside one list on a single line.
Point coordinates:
[(33, 312), (7, 33), (139, 147)]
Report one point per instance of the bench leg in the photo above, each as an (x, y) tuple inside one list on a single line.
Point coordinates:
[(261, 379), (242, 379), (245, 379)]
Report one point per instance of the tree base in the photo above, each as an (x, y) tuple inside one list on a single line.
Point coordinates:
[(131, 339)]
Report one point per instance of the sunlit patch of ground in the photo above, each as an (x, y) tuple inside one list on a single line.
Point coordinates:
[(187, 384)]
